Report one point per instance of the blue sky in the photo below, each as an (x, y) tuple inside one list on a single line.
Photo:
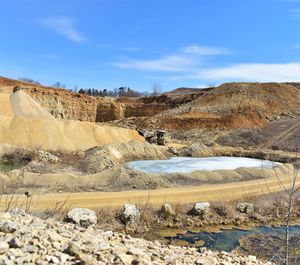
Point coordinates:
[(113, 43)]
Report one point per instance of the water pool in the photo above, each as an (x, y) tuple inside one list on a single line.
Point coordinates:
[(228, 240), (190, 164)]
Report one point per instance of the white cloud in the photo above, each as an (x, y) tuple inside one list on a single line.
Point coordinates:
[(253, 72), (185, 59), (204, 50), (64, 26), (171, 63), (188, 64)]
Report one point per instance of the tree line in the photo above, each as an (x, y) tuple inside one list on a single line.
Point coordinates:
[(116, 92)]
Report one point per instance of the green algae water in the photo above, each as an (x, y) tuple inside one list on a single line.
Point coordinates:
[(8, 165), (228, 240)]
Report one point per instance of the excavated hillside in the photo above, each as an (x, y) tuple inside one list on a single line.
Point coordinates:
[(25, 123), (64, 104), (230, 106)]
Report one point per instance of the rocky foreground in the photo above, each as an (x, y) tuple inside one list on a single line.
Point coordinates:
[(25, 239)]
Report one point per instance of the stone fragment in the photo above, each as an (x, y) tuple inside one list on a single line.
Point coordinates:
[(4, 247), (167, 211), (244, 207), (8, 227), (17, 212), (130, 214), (82, 216), (74, 249), (199, 208), (15, 243)]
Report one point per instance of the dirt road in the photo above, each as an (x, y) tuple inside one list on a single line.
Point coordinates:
[(216, 192)]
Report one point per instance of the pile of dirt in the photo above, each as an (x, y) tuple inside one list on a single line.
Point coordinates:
[(60, 135), (23, 105), (230, 106), (25, 123), (111, 156)]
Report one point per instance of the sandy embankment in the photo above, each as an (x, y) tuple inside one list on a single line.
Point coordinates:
[(23, 122)]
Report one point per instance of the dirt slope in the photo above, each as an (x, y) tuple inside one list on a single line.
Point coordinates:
[(23, 122), (60, 135), (230, 106), (23, 105), (281, 134), (5, 106)]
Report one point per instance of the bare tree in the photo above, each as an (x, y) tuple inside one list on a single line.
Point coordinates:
[(156, 88), (290, 192), (58, 85), (29, 80)]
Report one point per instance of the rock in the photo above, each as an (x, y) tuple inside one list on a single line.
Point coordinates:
[(103, 246), (30, 249), (15, 243), (130, 214), (42, 242), (4, 247), (167, 211), (74, 249), (244, 207), (173, 150), (8, 227), (46, 157), (194, 150), (17, 211), (82, 216), (199, 208), (16, 89)]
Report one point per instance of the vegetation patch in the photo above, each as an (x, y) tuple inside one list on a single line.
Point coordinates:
[(6, 166)]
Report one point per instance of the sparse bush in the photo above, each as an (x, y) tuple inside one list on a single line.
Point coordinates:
[(241, 137), (29, 80)]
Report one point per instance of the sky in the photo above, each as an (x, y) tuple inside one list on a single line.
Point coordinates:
[(138, 43)]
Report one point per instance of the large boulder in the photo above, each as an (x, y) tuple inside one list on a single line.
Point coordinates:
[(167, 211), (245, 207), (200, 208), (195, 150), (130, 214), (173, 150), (82, 216)]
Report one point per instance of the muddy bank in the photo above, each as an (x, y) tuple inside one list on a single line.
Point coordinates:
[(270, 247)]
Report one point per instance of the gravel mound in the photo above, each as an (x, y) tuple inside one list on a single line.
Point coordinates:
[(25, 239)]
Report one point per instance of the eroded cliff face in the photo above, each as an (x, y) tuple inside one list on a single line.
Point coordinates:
[(73, 106), (65, 105)]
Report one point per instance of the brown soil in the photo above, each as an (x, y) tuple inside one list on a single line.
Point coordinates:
[(229, 106), (277, 135)]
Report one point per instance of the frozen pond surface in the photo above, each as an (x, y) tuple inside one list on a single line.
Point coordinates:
[(190, 164)]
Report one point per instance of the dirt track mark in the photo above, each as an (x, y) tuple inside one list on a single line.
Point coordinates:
[(210, 192), (281, 137)]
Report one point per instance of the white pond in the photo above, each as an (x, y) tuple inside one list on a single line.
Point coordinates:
[(190, 164)]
